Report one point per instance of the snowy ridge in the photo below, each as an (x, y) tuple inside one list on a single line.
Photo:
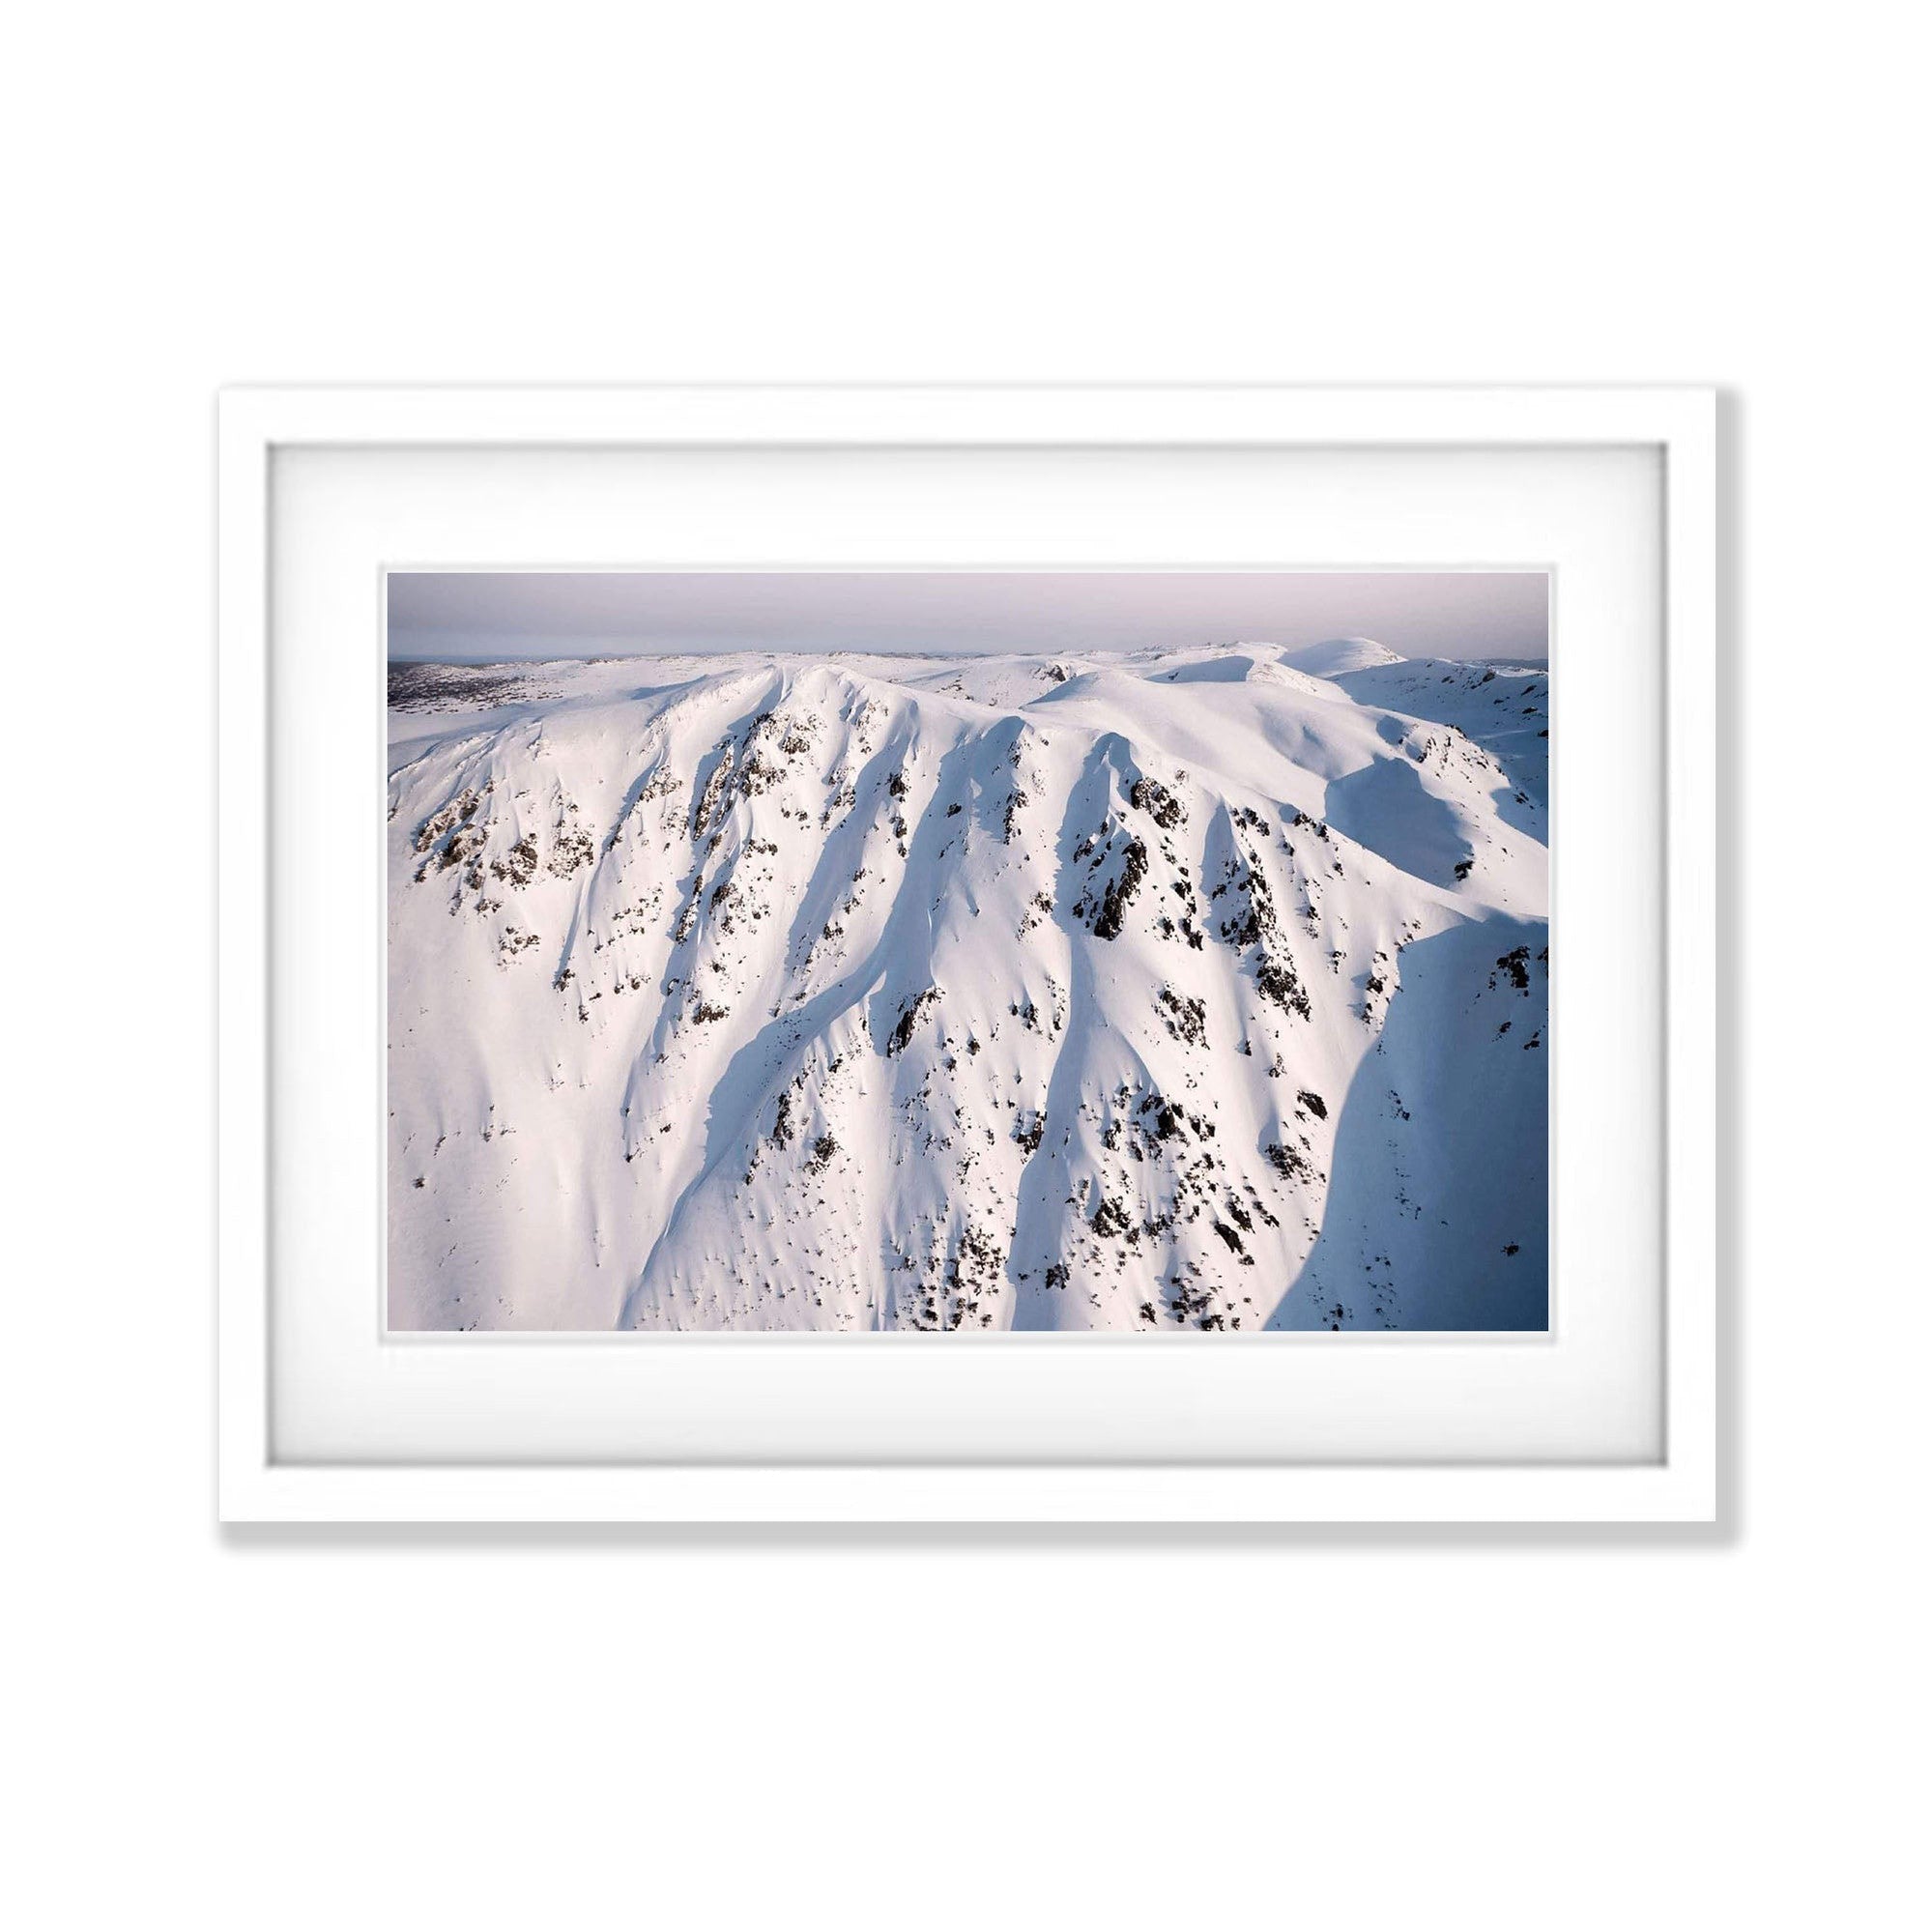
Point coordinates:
[(1194, 989)]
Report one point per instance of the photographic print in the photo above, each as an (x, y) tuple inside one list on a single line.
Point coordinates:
[(969, 952)]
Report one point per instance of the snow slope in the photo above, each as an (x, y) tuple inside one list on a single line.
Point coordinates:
[(1202, 989), (1504, 707)]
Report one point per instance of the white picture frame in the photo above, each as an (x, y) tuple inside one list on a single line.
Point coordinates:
[(260, 1481)]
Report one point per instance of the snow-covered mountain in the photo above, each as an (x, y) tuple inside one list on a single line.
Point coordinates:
[(1202, 989)]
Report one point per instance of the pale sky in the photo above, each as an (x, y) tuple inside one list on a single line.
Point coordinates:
[(498, 614)]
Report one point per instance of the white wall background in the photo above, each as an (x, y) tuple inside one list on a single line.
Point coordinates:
[(909, 1730)]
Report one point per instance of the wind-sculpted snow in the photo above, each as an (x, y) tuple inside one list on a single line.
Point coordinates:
[(1190, 990)]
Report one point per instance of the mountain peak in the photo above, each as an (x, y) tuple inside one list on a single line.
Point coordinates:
[(1336, 657)]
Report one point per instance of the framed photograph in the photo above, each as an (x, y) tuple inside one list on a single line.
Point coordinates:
[(954, 954)]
